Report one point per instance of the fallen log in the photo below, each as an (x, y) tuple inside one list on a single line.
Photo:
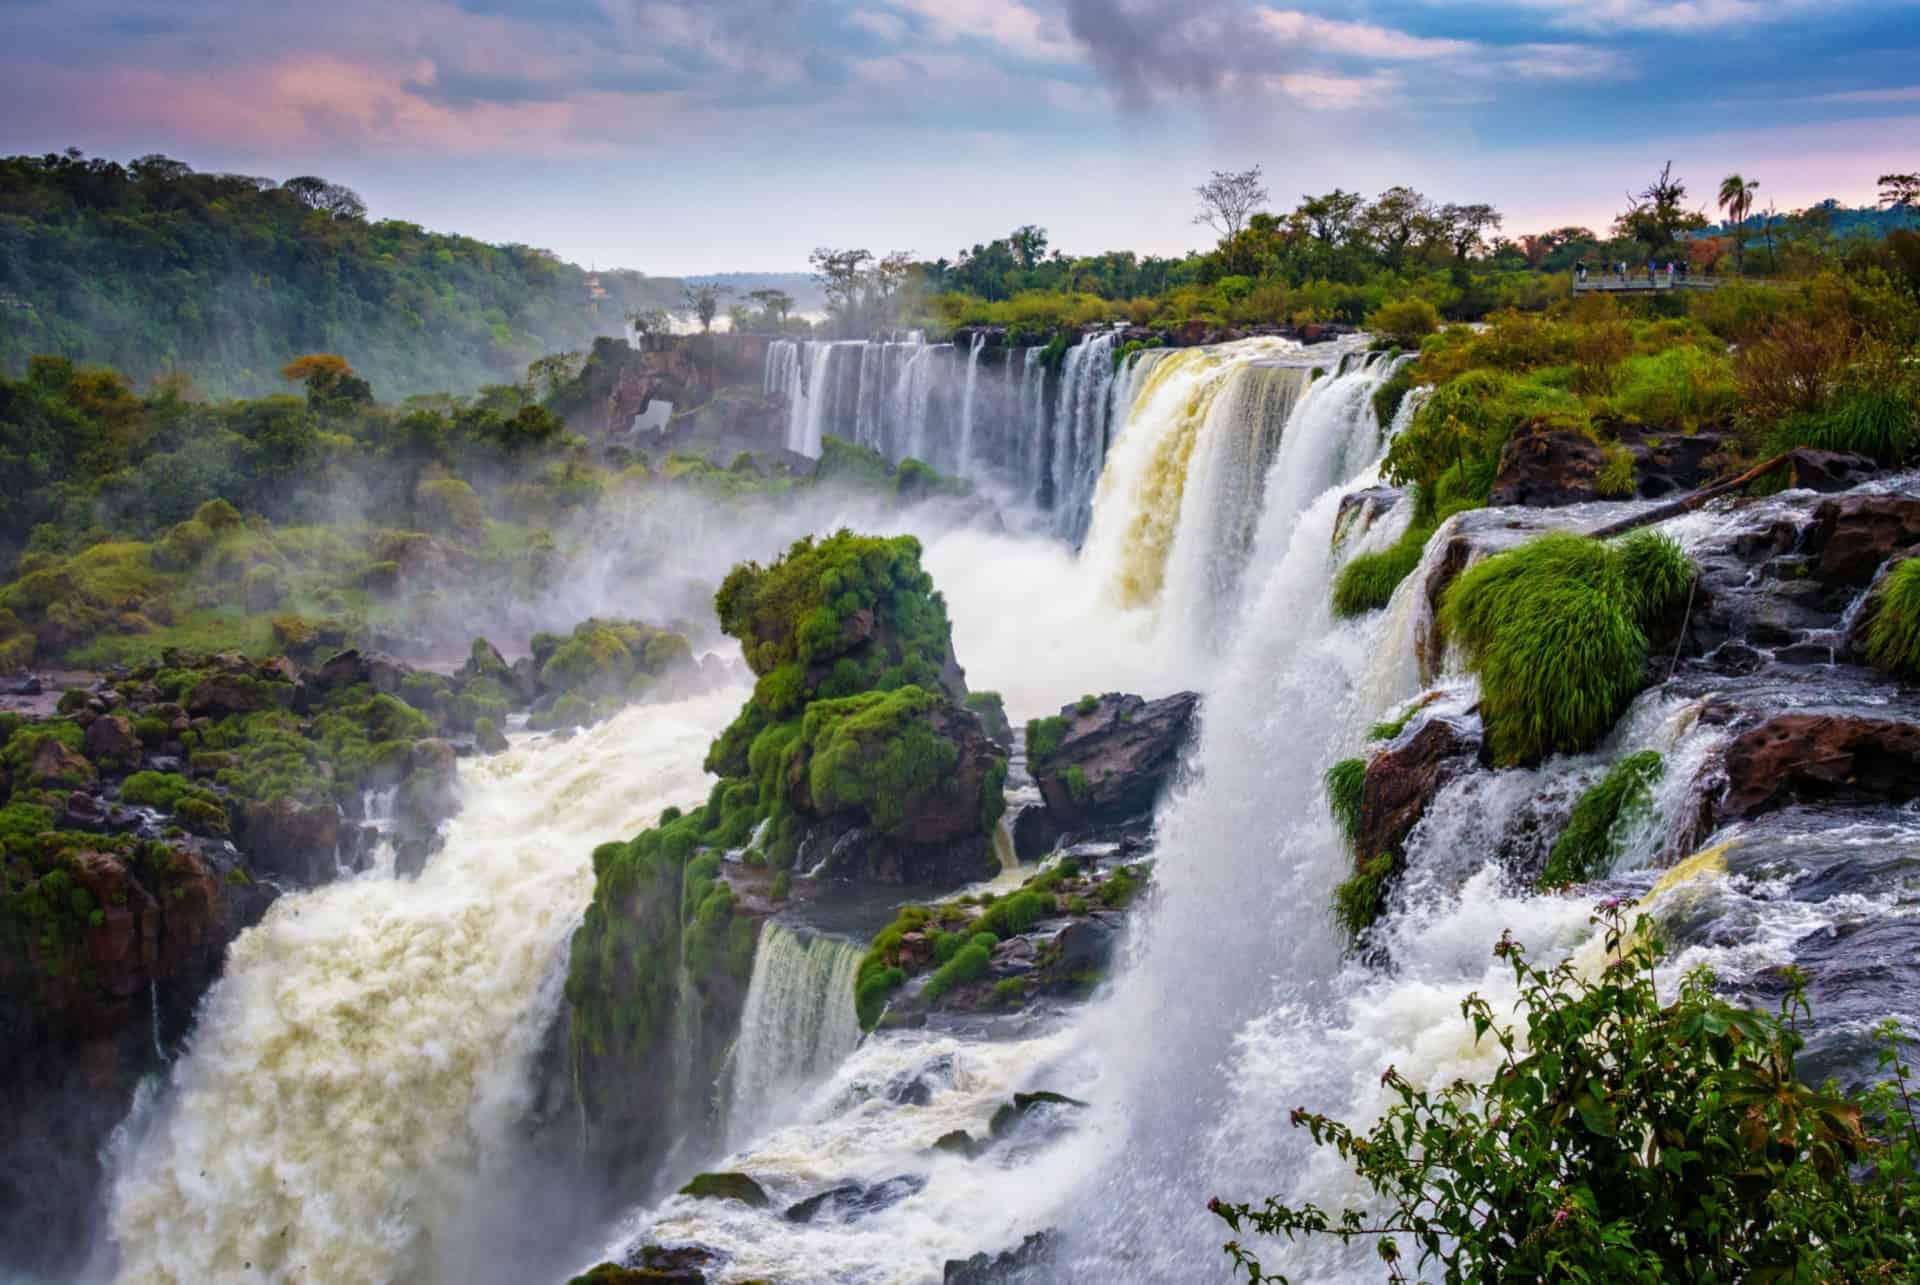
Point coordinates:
[(1689, 502)]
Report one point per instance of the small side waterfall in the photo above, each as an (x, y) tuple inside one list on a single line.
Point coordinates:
[(798, 1023), (1035, 434)]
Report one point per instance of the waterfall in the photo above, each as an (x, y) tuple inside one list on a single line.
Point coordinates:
[(797, 1025), (357, 1074), (1079, 432), (965, 460)]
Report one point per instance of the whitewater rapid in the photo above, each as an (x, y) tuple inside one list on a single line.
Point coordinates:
[(357, 1074)]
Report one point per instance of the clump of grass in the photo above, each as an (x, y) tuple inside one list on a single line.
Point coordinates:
[(1556, 630), (968, 964), (1873, 422), (1656, 572), (1586, 847), (1893, 635), (1615, 479), (1358, 901), (1366, 583), (1346, 782)]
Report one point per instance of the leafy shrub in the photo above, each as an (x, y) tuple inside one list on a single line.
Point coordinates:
[(1682, 387), (1893, 634), (969, 963), (1586, 848), (1404, 321), (1346, 783), (1011, 916), (1624, 1139)]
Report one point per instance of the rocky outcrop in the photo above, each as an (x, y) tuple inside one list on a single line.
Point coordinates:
[(1828, 471), (1033, 1255), (1547, 470), (1672, 463), (1816, 757), (296, 841), (1402, 782), (1853, 535), (1103, 762)]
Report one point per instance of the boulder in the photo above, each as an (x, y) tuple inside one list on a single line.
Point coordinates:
[(55, 764), (1035, 1252), (1402, 781), (1809, 757), (297, 840), (431, 790), (219, 695), (1547, 470), (1854, 534), (726, 1186), (346, 668), (110, 739), (851, 1200), (1812, 470), (1669, 463), (1113, 759)]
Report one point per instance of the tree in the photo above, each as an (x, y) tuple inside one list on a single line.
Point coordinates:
[(650, 321), (1626, 1139), (704, 302), (548, 375), (1900, 191), (1226, 201), (840, 273), (1736, 198), (331, 384), (1332, 217), (328, 198), (1393, 221), (1029, 243), (1657, 216), (774, 305), (1467, 227)]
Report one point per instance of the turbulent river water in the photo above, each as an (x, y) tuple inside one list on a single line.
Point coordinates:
[(349, 1098)]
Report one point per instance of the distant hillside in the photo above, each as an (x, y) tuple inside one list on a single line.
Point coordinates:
[(149, 267), (1841, 220), (806, 292)]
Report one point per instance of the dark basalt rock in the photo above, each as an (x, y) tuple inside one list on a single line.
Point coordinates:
[(294, 840), (726, 1186), (851, 1200), (1828, 471), (1033, 1255), (1547, 470), (1669, 463), (1808, 757), (1854, 534), (1114, 759), (654, 1265), (1403, 781)]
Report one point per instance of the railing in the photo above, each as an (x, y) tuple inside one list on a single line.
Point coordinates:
[(1610, 281)]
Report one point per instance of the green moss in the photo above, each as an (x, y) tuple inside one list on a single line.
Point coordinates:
[(993, 714), (726, 1186), (1556, 633), (968, 964), (1358, 901), (1076, 779), (1893, 632), (1346, 784), (1043, 738), (877, 752), (782, 886), (870, 992), (1119, 889), (1011, 916), (1078, 905), (1087, 705), (1587, 846), (1387, 397), (993, 795)]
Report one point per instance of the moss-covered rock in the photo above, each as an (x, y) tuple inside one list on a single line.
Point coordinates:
[(727, 1186)]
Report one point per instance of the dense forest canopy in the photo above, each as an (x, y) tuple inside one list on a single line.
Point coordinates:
[(151, 267)]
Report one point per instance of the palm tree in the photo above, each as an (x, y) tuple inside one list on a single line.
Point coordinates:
[(1736, 198)]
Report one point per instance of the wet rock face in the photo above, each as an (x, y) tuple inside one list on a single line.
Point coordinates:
[(1829, 471), (1666, 464), (1547, 470), (1853, 535), (1810, 757), (1402, 783), (294, 840), (1113, 759)]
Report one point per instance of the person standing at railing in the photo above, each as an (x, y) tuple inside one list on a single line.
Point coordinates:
[(1652, 281), (1669, 274)]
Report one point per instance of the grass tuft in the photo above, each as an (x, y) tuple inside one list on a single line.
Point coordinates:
[(1346, 782), (1893, 635), (1358, 901), (1586, 848)]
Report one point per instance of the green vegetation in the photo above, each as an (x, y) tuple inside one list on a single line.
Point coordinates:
[(601, 667), (153, 268), (1366, 583), (1346, 783), (1358, 901), (992, 713), (966, 964), (1043, 738), (1586, 848), (726, 1186), (1623, 1138), (1893, 633), (1556, 631)]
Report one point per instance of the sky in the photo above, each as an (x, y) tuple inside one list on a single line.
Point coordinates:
[(684, 136)]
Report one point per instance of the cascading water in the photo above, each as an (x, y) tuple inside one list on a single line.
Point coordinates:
[(1038, 436), (358, 1072), (797, 1025)]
